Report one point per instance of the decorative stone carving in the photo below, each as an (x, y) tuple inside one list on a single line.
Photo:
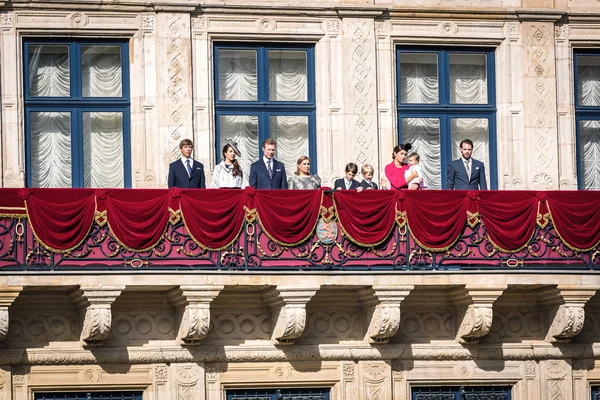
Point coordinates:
[(6, 19), (161, 373), (246, 326), (98, 315), (148, 22), (448, 28), (570, 316), (289, 311), (143, 325), (78, 20), (198, 23), (196, 314), (514, 30), (376, 380), (349, 369), (477, 319), (267, 24), (333, 25), (530, 368), (340, 324), (428, 325), (561, 32), (515, 324), (7, 297), (384, 311)]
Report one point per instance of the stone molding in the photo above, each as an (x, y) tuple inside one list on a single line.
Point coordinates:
[(477, 319), (98, 314), (569, 317), (195, 320), (289, 311), (7, 297), (384, 311)]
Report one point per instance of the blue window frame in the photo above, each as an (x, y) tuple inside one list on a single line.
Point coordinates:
[(587, 117), (89, 396), (461, 393), (262, 91), (445, 95), (279, 394), (77, 113)]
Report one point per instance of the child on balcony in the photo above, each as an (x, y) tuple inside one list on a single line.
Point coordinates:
[(367, 173), (413, 161)]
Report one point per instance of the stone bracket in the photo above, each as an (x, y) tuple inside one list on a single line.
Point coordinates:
[(289, 308), (569, 317), (98, 314), (384, 311), (196, 313), (7, 297), (477, 319)]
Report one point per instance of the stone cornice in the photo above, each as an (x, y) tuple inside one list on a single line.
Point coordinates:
[(270, 353)]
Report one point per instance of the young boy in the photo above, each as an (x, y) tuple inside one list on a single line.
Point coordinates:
[(413, 161), (348, 182), (367, 173)]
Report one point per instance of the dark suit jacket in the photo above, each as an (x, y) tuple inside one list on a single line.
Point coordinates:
[(179, 177), (339, 183), (259, 176), (457, 176), (365, 185)]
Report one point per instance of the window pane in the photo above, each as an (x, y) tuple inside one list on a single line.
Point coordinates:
[(50, 149), (424, 135), (588, 80), (287, 75), (291, 134), (49, 70), (237, 75), (477, 130), (243, 130), (589, 154), (103, 149), (419, 78), (468, 79), (101, 71)]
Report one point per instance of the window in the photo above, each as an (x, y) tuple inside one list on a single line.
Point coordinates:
[(89, 396), (595, 393), (461, 393), (587, 118), (266, 91), (278, 394), (77, 113), (445, 96)]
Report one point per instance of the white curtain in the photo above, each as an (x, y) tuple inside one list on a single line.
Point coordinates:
[(48, 71), (50, 149), (468, 85), (287, 82), (103, 149), (291, 133), (589, 154), (424, 135), (237, 75), (243, 130), (101, 71)]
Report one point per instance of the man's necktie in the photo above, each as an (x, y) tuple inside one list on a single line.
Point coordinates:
[(468, 168), (270, 169), (189, 167)]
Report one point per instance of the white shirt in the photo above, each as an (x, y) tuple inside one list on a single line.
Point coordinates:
[(266, 161), (184, 161), (348, 183)]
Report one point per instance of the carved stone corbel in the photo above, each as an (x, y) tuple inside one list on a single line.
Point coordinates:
[(7, 297), (98, 315), (383, 304), (195, 320), (570, 315), (289, 310), (477, 318)]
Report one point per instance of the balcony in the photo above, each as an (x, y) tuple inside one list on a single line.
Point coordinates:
[(221, 229)]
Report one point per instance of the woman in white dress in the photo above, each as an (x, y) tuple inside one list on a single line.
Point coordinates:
[(228, 174)]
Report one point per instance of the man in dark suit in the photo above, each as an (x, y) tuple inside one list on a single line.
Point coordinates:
[(186, 173), (348, 182), (466, 173), (268, 173)]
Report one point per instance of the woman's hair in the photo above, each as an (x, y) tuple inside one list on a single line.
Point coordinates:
[(300, 162), (406, 147), (236, 171), (351, 167)]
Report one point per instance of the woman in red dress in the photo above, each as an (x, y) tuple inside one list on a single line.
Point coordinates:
[(394, 171)]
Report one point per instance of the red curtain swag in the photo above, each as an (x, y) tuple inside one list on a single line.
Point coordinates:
[(138, 219)]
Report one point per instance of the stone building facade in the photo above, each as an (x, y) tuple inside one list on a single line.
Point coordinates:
[(362, 334)]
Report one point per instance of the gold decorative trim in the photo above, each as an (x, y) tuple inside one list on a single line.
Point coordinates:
[(206, 248), (100, 217), (563, 240), (473, 219), (175, 216)]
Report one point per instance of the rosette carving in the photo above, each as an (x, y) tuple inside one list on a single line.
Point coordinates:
[(195, 320), (289, 309), (98, 315)]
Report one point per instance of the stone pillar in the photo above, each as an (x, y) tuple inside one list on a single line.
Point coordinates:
[(375, 379), (349, 381), (399, 381), (540, 106), (188, 381), (386, 92), (556, 380), (174, 84), (161, 382)]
